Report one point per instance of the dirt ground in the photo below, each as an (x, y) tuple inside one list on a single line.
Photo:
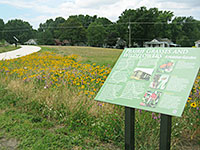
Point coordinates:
[(8, 144)]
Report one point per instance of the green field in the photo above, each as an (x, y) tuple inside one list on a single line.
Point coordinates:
[(101, 56), (7, 48), (47, 103)]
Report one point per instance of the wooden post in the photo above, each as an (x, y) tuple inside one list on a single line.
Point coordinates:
[(165, 132), (129, 128)]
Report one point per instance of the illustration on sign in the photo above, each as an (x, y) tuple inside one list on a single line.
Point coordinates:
[(153, 79)]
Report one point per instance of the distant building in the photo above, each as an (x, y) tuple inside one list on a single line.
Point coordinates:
[(31, 42), (65, 42), (59, 43), (197, 43), (165, 42), (120, 43)]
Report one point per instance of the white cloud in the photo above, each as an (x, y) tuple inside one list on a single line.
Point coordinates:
[(110, 9), (19, 4), (94, 3)]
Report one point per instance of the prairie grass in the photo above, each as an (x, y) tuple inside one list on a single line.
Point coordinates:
[(48, 98), (100, 56)]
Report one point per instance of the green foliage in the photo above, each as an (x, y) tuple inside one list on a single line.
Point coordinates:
[(73, 31), (18, 28), (112, 34), (1, 29), (45, 38), (148, 24), (96, 34), (5, 48), (84, 20), (185, 30), (51, 26)]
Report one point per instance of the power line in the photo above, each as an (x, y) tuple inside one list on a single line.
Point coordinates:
[(125, 23), (15, 30)]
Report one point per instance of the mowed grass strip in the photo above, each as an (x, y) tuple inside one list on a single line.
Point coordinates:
[(100, 56), (22, 120), (8, 48)]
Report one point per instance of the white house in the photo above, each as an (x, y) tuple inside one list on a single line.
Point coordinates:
[(165, 42), (197, 43), (31, 42)]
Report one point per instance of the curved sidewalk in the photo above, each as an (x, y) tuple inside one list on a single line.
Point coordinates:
[(23, 51)]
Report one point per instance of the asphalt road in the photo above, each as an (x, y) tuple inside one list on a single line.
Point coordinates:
[(23, 51)]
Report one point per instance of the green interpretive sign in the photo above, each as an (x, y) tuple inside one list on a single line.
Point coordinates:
[(152, 79)]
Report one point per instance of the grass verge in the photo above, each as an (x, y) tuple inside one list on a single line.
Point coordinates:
[(8, 48), (29, 122)]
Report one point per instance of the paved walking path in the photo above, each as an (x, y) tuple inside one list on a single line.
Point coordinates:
[(23, 51)]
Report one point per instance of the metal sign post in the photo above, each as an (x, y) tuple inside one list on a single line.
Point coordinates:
[(165, 132), (129, 128)]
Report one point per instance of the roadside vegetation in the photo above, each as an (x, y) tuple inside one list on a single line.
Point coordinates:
[(7, 48), (47, 102)]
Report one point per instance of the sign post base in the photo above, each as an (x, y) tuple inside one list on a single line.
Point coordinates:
[(165, 132), (129, 128)]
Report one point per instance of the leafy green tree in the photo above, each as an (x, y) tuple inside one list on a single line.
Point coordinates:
[(18, 28), (45, 26), (1, 29), (112, 35), (104, 21), (147, 24), (185, 31), (45, 38), (73, 31), (58, 21), (51, 26), (110, 29), (96, 34), (85, 20)]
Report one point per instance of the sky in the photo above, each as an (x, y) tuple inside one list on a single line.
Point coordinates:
[(38, 11)]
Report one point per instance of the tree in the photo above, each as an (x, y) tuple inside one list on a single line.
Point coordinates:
[(45, 38), (145, 24), (45, 26), (112, 35), (73, 31), (104, 21), (185, 31), (96, 34), (111, 32), (18, 28), (84, 20), (1, 29), (58, 21), (51, 26)]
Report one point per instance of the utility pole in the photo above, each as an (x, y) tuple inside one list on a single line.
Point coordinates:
[(129, 27)]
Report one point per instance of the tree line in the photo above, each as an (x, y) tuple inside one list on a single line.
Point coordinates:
[(140, 24)]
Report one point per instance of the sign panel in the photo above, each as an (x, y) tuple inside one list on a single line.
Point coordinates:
[(15, 38), (152, 79)]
